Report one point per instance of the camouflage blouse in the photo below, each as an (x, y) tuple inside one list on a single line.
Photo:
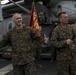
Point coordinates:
[(22, 43)]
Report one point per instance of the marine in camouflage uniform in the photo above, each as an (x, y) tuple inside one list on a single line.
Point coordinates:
[(65, 62), (22, 54)]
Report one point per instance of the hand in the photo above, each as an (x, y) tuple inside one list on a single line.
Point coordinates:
[(69, 41), (45, 39)]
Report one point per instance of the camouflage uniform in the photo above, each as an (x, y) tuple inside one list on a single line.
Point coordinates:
[(22, 55), (65, 62)]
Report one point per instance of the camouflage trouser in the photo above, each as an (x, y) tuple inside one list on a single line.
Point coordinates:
[(27, 69), (66, 68)]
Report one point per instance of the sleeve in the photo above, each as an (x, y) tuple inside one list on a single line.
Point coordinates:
[(5, 41), (35, 36), (72, 47), (42, 38), (55, 41)]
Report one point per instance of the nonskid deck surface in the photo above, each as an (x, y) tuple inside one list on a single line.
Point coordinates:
[(48, 68)]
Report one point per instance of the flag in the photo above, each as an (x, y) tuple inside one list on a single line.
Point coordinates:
[(34, 19)]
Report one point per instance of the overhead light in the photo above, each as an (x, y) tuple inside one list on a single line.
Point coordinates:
[(4, 1)]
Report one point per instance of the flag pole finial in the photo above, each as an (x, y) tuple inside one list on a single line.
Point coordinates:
[(33, 1)]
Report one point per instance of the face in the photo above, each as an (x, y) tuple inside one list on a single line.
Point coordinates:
[(64, 18), (17, 19)]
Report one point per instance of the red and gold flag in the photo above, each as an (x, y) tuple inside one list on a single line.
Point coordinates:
[(34, 19)]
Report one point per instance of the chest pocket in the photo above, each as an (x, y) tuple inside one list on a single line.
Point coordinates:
[(65, 33)]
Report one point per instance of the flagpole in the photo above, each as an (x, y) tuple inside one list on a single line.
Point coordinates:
[(33, 0)]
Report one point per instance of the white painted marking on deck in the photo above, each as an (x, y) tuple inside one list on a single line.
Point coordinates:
[(6, 69)]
